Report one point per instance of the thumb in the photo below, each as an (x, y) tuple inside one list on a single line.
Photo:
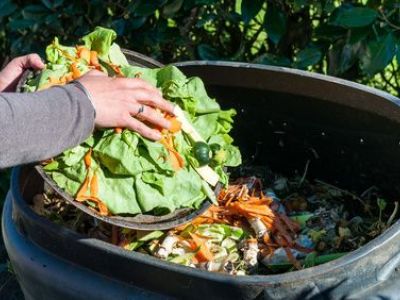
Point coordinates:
[(29, 61)]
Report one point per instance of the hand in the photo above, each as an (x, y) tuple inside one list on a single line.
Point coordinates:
[(11, 74), (127, 102)]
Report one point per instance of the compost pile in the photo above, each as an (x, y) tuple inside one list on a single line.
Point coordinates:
[(260, 226), (257, 225)]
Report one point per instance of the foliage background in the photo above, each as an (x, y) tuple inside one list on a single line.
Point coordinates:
[(356, 39)]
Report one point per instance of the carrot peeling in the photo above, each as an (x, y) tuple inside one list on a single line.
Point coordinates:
[(94, 186), (94, 60), (88, 158), (76, 73), (203, 254), (175, 158), (84, 53)]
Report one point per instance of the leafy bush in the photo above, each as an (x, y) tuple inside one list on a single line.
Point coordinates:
[(353, 39), (356, 40)]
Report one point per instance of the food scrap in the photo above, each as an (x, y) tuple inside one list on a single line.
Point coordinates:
[(252, 230), (118, 172)]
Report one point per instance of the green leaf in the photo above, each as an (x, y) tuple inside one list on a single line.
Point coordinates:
[(119, 26), (150, 236), (398, 55), (19, 24), (353, 17), (145, 8), (275, 23), (358, 34), (381, 203), (47, 3), (329, 6), (100, 40), (299, 4), (205, 2), (7, 8), (378, 54), (309, 261), (272, 59), (342, 57), (51, 166), (34, 12), (308, 57), (144, 237), (250, 8), (171, 8), (207, 52), (302, 219), (116, 57), (136, 22)]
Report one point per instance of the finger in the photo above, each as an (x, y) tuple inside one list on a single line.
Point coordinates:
[(150, 115), (153, 98), (142, 129), (95, 73), (159, 102), (30, 61), (136, 83)]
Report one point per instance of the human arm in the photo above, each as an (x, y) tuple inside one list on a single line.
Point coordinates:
[(40, 125)]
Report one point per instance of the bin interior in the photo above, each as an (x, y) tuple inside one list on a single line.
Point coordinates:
[(351, 148)]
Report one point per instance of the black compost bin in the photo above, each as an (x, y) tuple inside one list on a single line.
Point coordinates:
[(351, 134)]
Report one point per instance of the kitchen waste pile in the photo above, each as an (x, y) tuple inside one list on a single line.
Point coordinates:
[(117, 171), (252, 230), (256, 225)]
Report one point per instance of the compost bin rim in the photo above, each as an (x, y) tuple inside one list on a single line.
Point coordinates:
[(321, 87), (292, 71), (306, 274)]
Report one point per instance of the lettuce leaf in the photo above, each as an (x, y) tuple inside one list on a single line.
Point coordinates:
[(58, 54), (116, 57), (135, 174), (100, 40)]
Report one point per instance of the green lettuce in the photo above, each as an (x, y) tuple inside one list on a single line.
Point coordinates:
[(100, 40), (134, 174)]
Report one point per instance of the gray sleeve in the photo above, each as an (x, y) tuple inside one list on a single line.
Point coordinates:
[(37, 126)]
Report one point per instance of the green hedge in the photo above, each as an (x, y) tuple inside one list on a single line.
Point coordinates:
[(356, 40)]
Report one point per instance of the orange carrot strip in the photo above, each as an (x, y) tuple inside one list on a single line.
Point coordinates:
[(94, 186), (69, 77), (88, 158), (76, 73), (103, 210), (175, 158), (83, 188), (84, 53), (118, 130), (94, 61), (176, 125), (257, 209), (203, 254)]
